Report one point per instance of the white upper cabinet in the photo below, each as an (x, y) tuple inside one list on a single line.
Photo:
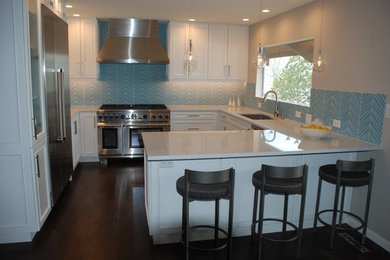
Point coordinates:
[(179, 35), (83, 48), (228, 52)]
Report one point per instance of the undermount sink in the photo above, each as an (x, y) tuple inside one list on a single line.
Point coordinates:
[(257, 116)]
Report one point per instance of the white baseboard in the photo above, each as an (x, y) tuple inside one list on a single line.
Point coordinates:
[(16, 237), (379, 240)]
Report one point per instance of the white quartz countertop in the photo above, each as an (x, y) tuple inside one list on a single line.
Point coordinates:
[(75, 109), (282, 137)]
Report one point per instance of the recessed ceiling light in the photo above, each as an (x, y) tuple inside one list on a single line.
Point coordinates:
[(192, 20), (245, 20), (265, 10), (68, 6), (77, 15)]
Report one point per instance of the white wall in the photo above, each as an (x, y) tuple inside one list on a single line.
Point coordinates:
[(355, 43)]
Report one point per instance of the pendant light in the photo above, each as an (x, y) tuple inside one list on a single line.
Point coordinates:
[(259, 58), (319, 61), (190, 59)]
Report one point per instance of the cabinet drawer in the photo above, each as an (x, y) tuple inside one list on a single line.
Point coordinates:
[(193, 115), (198, 126)]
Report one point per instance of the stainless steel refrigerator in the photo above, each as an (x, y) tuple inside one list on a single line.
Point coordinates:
[(55, 45)]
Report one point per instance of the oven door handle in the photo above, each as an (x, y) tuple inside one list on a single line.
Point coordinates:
[(146, 125)]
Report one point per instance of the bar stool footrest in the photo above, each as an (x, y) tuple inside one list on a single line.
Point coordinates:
[(295, 229), (338, 226), (211, 248)]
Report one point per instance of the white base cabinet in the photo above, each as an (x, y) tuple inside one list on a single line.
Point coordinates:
[(89, 144), (76, 139), (41, 169), (194, 121)]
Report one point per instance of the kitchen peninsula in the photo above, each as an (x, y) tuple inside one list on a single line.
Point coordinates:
[(167, 154)]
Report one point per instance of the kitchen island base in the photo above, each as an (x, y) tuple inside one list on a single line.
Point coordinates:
[(163, 204)]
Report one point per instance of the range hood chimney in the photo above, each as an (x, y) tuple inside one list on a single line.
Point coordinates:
[(133, 41)]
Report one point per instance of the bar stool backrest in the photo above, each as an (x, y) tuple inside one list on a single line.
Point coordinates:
[(355, 166), (277, 172), (209, 177)]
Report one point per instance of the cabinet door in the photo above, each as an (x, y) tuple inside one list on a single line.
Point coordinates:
[(42, 183), (88, 51), (89, 147), (218, 35), (35, 72), (238, 52), (178, 43), (74, 47)]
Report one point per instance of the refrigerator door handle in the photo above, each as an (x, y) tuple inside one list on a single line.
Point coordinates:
[(59, 105), (61, 71)]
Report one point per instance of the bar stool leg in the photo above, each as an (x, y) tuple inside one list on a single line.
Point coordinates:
[(255, 202), (260, 228), (216, 222), (285, 212), (186, 228), (317, 205), (342, 205), (368, 199), (335, 207), (230, 226)]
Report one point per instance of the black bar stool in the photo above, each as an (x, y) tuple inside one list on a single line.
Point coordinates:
[(282, 181), (344, 174), (207, 186)]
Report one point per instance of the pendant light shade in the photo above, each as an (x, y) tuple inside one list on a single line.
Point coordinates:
[(190, 59), (259, 58), (319, 61)]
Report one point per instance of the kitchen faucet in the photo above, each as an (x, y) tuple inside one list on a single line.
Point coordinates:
[(276, 112)]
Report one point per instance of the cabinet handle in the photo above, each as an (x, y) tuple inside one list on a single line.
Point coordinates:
[(35, 128), (52, 3), (228, 70), (75, 127), (37, 165), (224, 71), (193, 115), (193, 128)]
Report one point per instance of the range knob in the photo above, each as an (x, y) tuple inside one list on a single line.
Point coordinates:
[(105, 117), (134, 116), (122, 116), (111, 117), (100, 117), (116, 117), (167, 116), (154, 116), (145, 116), (160, 116)]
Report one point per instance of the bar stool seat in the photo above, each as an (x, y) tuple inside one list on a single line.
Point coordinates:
[(204, 191), (277, 186), (344, 174), (280, 181), (328, 173), (207, 186)]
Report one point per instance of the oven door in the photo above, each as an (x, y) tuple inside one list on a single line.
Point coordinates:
[(109, 140), (133, 145)]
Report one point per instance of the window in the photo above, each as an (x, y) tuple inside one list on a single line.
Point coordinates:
[(287, 71)]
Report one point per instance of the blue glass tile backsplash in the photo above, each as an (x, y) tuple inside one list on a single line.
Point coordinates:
[(361, 114)]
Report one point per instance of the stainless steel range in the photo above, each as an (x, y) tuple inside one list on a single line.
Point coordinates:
[(120, 128)]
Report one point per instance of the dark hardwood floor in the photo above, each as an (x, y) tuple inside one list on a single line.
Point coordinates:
[(101, 215)]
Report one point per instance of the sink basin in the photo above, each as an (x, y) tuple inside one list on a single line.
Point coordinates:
[(256, 116)]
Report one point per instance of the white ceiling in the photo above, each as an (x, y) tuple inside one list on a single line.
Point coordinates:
[(215, 11)]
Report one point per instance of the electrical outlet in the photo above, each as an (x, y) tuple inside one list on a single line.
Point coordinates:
[(259, 104), (308, 118), (387, 114), (298, 114), (336, 123)]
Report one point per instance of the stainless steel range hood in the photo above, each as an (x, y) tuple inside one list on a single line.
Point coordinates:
[(133, 41)]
